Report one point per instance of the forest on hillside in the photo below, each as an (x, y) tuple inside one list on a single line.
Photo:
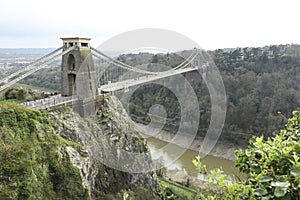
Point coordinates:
[(262, 88), (259, 83)]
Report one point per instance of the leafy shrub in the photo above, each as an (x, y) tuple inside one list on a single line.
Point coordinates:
[(272, 168)]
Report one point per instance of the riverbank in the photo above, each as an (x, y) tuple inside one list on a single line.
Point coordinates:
[(182, 169), (222, 149)]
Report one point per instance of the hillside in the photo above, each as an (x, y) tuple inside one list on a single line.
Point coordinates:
[(49, 155), (259, 82)]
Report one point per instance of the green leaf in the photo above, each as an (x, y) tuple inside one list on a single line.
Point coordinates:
[(267, 197), (287, 197), (266, 178), (280, 184), (295, 172), (280, 191), (297, 148), (260, 192), (255, 168)]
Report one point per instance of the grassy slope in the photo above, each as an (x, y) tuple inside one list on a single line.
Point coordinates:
[(34, 164), (179, 191)]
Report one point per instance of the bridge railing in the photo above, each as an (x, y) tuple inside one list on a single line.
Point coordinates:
[(48, 102)]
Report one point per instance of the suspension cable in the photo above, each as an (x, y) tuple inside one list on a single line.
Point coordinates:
[(120, 64), (31, 65), (42, 65), (130, 68), (186, 62)]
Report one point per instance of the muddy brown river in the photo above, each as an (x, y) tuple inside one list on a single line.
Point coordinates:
[(173, 161)]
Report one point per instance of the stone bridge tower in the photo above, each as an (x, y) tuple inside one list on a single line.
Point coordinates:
[(78, 76)]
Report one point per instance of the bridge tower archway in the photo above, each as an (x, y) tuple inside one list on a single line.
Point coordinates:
[(71, 62), (77, 69), (71, 75)]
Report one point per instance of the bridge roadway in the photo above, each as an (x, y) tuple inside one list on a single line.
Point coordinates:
[(136, 81), (59, 100), (48, 102)]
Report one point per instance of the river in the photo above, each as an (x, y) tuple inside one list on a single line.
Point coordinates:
[(170, 155), (176, 158)]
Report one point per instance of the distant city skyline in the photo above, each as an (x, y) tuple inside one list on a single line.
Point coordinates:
[(212, 24)]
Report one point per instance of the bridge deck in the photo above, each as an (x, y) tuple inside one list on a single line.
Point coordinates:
[(136, 81), (48, 102)]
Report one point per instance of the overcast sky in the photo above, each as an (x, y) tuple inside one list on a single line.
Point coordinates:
[(211, 23)]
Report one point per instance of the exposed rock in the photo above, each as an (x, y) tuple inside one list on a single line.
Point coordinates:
[(103, 140)]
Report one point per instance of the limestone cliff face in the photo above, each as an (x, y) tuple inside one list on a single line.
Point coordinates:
[(98, 157)]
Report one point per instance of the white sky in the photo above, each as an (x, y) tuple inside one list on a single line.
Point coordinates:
[(211, 23)]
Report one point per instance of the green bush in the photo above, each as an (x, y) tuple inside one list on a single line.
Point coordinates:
[(19, 94), (272, 168)]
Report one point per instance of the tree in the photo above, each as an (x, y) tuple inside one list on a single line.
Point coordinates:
[(19, 94), (272, 168)]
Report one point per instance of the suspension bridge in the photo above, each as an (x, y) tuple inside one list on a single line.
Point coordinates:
[(81, 80)]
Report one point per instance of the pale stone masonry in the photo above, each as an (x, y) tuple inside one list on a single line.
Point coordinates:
[(79, 75)]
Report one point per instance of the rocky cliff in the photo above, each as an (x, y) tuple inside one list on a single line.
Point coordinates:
[(59, 155)]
